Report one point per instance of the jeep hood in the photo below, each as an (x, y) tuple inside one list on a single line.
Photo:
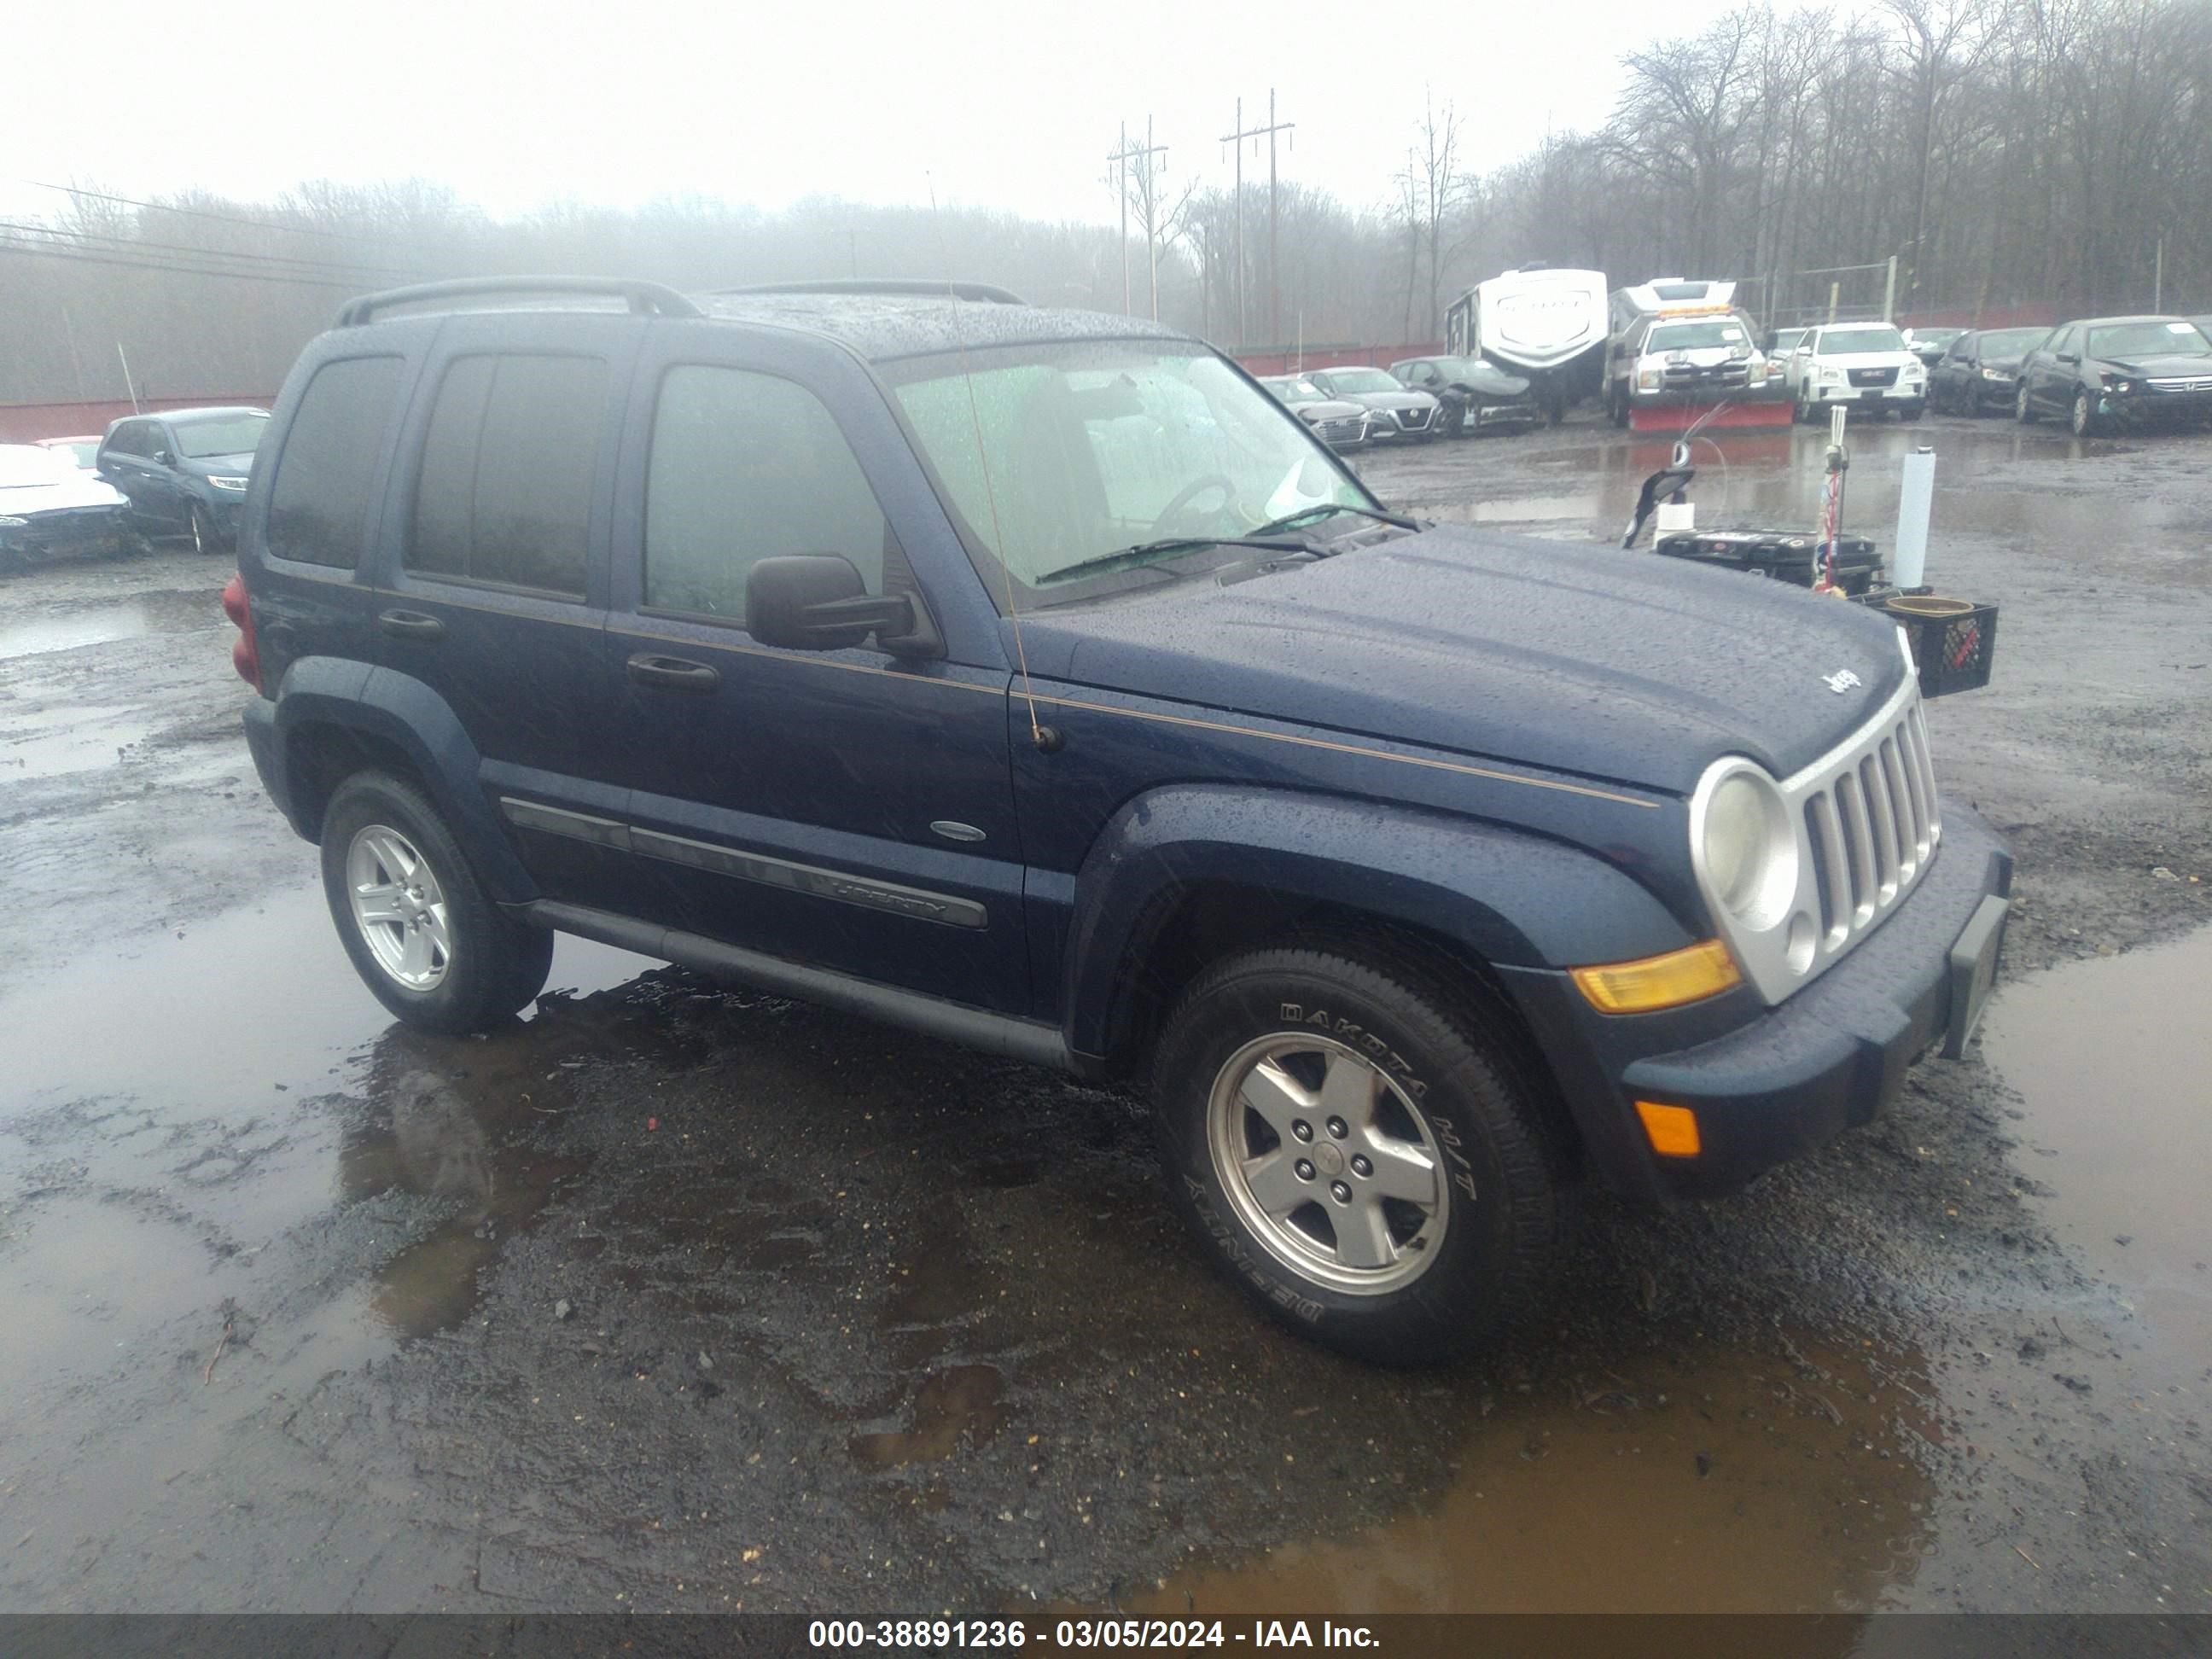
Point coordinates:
[(1629, 667)]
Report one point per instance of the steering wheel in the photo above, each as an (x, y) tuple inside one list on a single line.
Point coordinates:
[(1165, 524)]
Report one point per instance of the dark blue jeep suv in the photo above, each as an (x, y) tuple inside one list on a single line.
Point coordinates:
[(1033, 680)]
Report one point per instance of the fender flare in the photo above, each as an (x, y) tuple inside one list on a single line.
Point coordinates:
[(404, 712), (1509, 896)]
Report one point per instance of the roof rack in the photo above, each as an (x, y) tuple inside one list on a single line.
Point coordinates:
[(646, 299), (919, 287)]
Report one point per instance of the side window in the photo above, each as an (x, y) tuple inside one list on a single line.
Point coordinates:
[(318, 508), (743, 467), (2062, 341), (508, 466), (1961, 349), (124, 440)]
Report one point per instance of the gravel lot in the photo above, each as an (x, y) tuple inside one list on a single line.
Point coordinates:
[(679, 1297)]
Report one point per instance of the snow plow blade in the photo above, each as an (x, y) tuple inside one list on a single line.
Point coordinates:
[(1679, 417)]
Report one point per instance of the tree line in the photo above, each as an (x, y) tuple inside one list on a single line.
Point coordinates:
[(2006, 153)]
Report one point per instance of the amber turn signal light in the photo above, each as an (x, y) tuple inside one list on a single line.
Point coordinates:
[(1672, 1130), (1689, 974)]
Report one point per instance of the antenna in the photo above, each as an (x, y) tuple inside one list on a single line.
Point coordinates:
[(1044, 737)]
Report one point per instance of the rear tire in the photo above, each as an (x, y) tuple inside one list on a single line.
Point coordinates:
[(1455, 1222), (422, 935)]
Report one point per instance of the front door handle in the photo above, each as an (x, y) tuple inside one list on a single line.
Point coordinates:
[(672, 673), (411, 625)]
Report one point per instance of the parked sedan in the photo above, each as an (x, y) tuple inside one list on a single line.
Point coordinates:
[(1472, 396), (1981, 369), (1339, 424), (49, 510), (2105, 372), (1394, 410), (186, 471), (82, 453)]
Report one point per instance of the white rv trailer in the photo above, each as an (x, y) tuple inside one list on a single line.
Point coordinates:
[(1548, 327)]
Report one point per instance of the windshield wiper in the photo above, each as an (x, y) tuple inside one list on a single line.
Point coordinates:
[(1304, 513), (1175, 544)]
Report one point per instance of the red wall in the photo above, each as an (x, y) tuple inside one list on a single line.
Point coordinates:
[(28, 422)]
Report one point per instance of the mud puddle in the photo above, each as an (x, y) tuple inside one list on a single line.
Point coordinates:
[(95, 625), (1708, 1479), (167, 1114), (2113, 1061), (53, 742), (1776, 479)]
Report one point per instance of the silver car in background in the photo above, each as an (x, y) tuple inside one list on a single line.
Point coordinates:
[(1394, 410)]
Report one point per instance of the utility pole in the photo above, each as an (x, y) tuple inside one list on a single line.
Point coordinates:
[(1122, 155), (1274, 284)]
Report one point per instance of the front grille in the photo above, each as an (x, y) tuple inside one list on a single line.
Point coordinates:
[(1873, 377), (1343, 429), (2179, 383), (1872, 821), (1414, 420)]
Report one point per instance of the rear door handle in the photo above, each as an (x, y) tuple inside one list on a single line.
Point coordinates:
[(672, 673), (411, 625)]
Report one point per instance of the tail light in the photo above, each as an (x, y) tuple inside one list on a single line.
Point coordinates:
[(244, 657)]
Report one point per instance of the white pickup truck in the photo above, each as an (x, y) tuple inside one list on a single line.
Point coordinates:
[(1866, 365)]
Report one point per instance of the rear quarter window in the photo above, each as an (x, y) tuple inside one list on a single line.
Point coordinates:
[(319, 503)]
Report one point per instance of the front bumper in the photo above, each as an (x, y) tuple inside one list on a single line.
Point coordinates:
[(2148, 409), (1768, 1084), (1885, 397)]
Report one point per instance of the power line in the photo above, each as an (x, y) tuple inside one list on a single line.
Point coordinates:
[(190, 213), (131, 244), (10, 246)]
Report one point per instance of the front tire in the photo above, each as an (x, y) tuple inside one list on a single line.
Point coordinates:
[(422, 934), (2084, 418), (2023, 410), (1368, 1158)]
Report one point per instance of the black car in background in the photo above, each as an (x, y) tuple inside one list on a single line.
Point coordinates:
[(1981, 369), (1473, 396), (2105, 371), (184, 472)]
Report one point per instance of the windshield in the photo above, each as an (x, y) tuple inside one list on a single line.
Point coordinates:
[(1690, 336), (1296, 388), (2154, 339), (23, 467), (2012, 342), (1359, 379), (1838, 341), (1786, 339), (1089, 448), (231, 434), (1935, 337), (80, 452)]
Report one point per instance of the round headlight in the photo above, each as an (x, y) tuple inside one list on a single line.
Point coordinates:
[(1749, 852)]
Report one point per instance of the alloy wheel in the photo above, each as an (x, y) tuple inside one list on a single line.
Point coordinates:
[(399, 908), (1328, 1162)]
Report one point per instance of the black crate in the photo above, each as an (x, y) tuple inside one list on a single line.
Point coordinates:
[(1953, 653), (1785, 555)]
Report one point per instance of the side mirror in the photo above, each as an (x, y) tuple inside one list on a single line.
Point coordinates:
[(2070, 357), (162, 457), (817, 602)]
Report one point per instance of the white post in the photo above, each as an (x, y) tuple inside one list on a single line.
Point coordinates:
[(2158, 278), (1889, 293), (1916, 500), (127, 386)]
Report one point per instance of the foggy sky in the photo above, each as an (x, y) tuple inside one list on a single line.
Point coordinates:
[(1009, 105)]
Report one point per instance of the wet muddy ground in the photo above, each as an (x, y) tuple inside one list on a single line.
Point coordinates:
[(676, 1297)]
